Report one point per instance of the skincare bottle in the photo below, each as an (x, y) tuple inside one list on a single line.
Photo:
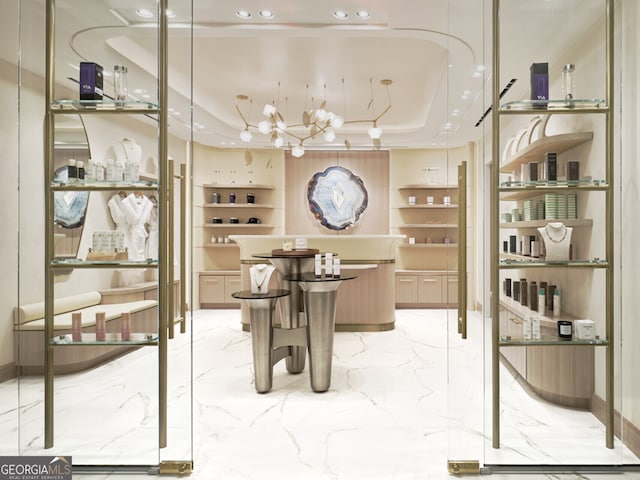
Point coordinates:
[(99, 172), (542, 301), (336, 267), (318, 269), (90, 174), (535, 328), (76, 326), (524, 292), (568, 85), (328, 263), (101, 327), (118, 174), (125, 326), (72, 171), (80, 169), (533, 296), (556, 303), (110, 170), (526, 327)]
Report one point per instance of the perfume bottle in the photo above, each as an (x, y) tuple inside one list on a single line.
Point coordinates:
[(568, 85), (120, 82)]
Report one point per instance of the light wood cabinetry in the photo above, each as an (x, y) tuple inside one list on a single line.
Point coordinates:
[(216, 289), (229, 209), (419, 289), (428, 216)]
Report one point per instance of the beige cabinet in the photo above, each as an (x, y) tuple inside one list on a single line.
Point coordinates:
[(216, 289), (426, 289)]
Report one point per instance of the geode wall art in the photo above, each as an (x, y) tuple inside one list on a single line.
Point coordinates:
[(337, 197)]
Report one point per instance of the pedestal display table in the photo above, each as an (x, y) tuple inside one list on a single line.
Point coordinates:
[(291, 314), (319, 295), (269, 344)]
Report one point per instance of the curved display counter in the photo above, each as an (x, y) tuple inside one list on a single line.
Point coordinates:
[(364, 304)]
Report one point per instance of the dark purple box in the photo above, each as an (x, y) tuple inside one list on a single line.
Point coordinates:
[(91, 81), (540, 82)]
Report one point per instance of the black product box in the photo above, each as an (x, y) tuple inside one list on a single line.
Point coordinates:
[(507, 287), (533, 171), (513, 242), (573, 171), (91, 81), (551, 160), (539, 82)]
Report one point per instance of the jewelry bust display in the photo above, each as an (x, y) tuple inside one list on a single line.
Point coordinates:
[(557, 241), (260, 275)]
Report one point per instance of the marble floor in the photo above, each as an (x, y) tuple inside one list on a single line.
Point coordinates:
[(401, 403)]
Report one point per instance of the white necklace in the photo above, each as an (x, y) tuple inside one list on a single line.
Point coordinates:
[(561, 229)]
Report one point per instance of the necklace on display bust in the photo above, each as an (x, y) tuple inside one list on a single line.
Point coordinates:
[(556, 232), (260, 275)]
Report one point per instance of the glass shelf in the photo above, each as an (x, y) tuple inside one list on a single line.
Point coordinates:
[(79, 263), (428, 245), (89, 339), (103, 186), (428, 225), (552, 340), (552, 185), (555, 106), (101, 106), (429, 205), (517, 261)]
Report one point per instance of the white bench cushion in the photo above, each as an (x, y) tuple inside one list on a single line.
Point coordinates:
[(35, 311), (62, 321)]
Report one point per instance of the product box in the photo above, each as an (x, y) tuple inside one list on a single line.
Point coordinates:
[(584, 329), (539, 82), (573, 170), (91, 81)]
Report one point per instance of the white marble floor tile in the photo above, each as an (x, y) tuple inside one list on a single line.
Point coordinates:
[(388, 415)]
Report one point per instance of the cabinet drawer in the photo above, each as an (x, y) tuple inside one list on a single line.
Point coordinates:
[(212, 288), (430, 289), (406, 289)]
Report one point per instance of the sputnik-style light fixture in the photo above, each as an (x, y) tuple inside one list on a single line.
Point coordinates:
[(315, 122)]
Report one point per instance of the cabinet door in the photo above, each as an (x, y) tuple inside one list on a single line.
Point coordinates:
[(212, 289), (451, 289), (430, 289), (231, 284), (406, 289)]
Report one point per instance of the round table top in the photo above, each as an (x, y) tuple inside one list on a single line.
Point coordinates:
[(249, 295), (311, 277), (278, 253)]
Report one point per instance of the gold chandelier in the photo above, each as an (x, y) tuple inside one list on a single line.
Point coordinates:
[(315, 122)]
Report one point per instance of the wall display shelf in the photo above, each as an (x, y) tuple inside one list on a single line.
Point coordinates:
[(560, 371), (162, 188), (535, 151), (244, 201), (427, 273)]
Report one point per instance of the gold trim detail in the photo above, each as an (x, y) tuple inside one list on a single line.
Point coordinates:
[(463, 467), (176, 467)]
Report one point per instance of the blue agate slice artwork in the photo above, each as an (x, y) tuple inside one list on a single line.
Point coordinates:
[(69, 206), (337, 197)]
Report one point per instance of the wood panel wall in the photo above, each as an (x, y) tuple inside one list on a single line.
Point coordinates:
[(371, 166)]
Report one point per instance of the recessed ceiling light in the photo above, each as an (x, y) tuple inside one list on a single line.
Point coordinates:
[(340, 14), (144, 13), (266, 13), (363, 14), (243, 14)]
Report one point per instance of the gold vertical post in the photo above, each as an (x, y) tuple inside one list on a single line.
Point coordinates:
[(183, 247), (610, 350), (48, 227), (462, 249), (164, 227), (494, 233), (171, 252)]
